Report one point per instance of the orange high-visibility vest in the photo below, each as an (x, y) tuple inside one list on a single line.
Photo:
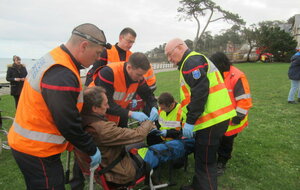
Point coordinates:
[(150, 78), (218, 106), (122, 95), (33, 131), (242, 103), (113, 55)]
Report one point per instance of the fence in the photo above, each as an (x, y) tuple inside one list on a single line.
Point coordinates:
[(157, 66)]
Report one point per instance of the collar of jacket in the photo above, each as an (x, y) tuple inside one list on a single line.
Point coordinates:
[(87, 119), (78, 65), (120, 49), (186, 53)]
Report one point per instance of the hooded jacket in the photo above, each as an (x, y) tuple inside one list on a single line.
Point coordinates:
[(294, 70)]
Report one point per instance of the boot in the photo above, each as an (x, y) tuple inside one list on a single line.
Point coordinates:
[(220, 168), (292, 102), (221, 165)]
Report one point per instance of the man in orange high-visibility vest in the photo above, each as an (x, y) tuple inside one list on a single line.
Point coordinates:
[(122, 80), (239, 92), (48, 115), (117, 53)]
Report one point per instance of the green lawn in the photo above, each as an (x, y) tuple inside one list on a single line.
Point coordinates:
[(266, 154)]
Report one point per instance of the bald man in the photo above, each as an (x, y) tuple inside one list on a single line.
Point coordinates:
[(47, 119), (207, 108)]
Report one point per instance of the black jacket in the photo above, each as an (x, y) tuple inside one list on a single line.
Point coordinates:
[(16, 71), (294, 70)]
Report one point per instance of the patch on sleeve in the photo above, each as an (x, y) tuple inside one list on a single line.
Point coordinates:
[(196, 74)]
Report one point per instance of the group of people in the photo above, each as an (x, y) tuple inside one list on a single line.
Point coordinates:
[(56, 113)]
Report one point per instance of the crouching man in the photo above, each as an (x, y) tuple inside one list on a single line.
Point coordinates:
[(112, 140)]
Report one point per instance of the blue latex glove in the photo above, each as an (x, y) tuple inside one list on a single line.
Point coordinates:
[(133, 103), (139, 116), (162, 133), (96, 158), (153, 114), (187, 130)]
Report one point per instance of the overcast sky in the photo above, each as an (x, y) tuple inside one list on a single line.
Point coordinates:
[(30, 28)]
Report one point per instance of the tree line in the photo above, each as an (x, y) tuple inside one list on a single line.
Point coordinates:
[(265, 37)]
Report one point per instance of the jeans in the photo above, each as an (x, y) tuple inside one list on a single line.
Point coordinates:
[(295, 85)]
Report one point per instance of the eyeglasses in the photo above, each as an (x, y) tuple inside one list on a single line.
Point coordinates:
[(172, 51), (92, 39), (128, 40)]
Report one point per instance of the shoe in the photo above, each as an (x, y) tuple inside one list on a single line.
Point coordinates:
[(186, 187), (220, 168), (292, 102)]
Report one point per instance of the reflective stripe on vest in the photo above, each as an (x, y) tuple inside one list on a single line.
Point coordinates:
[(218, 106), (150, 78), (172, 120), (38, 136), (244, 96), (113, 55), (34, 131), (241, 110)]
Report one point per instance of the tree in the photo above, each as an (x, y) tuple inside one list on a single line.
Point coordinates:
[(291, 20), (276, 41), (195, 9), (230, 35), (250, 34)]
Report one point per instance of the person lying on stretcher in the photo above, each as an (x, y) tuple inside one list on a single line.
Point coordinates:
[(112, 141)]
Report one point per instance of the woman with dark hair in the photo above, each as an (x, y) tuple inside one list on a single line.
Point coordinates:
[(16, 74), (239, 92)]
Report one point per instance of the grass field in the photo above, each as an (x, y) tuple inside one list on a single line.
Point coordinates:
[(266, 155)]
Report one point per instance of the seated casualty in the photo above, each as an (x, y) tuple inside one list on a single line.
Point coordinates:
[(112, 141)]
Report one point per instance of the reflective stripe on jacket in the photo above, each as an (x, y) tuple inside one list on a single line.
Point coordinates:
[(34, 131), (170, 121), (122, 94), (150, 78), (218, 106), (113, 55), (241, 102)]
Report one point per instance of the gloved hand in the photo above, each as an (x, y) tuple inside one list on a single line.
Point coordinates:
[(172, 133), (96, 158), (187, 130), (162, 133), (133, 103), (153, 114), (139, 116)]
